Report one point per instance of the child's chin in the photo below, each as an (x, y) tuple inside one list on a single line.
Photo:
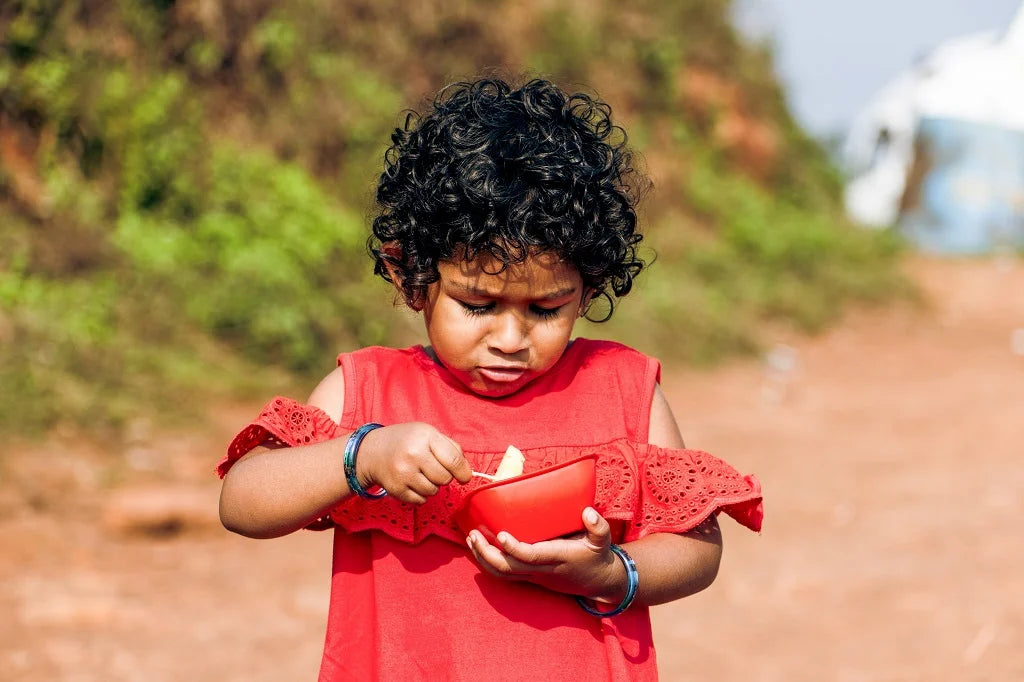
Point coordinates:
[(486, 389)]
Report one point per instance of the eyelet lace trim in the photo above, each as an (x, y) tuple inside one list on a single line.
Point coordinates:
[(648, 488)]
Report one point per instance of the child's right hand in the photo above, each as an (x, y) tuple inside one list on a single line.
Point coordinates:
[(410, 461)]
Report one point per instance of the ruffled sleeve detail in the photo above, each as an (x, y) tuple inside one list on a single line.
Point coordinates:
[(665, 490), (282, 422), (647, 488)]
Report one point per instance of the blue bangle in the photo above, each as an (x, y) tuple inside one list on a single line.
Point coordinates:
[(351, 448), (633, 582)]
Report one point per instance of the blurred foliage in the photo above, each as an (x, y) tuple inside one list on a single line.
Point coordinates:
[(765, 260), (184, 184)]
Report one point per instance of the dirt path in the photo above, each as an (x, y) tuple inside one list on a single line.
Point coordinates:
[(892, 549)]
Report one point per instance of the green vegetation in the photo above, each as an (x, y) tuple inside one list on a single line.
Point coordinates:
[(766, 259), (183, 187)]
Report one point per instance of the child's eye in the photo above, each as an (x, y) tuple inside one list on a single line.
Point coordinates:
[(476, 309), (545, 312)]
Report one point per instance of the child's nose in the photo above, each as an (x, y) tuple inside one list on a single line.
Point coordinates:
[(509, 333)]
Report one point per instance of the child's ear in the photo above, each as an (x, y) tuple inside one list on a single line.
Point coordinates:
[(588, 296), (392, 253)]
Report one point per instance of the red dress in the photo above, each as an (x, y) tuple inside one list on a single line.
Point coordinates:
[(408, 601)]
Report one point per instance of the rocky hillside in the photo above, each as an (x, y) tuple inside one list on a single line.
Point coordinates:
[(184, 185)]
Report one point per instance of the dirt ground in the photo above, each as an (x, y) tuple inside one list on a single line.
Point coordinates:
[(889, 450)]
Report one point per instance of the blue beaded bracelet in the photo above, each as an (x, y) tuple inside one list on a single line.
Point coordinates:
[(633, 582), (351, 448)]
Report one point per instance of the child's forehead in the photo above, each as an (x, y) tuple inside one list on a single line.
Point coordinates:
[(539, 275)]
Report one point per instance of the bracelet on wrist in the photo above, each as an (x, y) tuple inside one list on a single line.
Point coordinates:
[(632, 583), (351, 450)]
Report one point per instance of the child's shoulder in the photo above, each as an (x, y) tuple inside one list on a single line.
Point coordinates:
[(382, 355), (610, 358), (611, 350)]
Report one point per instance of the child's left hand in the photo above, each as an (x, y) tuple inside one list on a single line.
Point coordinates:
[(582, 564)]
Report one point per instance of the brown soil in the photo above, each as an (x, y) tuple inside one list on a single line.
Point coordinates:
[(890, 455)]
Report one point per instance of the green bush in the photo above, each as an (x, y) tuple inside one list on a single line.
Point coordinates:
[(752, 258), (273, 257)]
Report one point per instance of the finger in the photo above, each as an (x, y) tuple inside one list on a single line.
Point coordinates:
[(435, 472), (449, 454), (423, 486), (476, 544), (471, 543), (531, 554), (598, 534), (502, 564), (409, 495)]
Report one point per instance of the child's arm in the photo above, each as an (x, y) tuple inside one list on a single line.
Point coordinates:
[(270, 493), (676, 565), (671, 566)]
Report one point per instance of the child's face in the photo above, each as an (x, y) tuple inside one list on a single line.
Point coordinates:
[(497, 332)]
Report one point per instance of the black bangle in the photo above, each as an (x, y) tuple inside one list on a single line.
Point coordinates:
[(633, 582), (351, 449)]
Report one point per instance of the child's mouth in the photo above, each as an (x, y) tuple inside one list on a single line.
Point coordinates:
[(502, 375)]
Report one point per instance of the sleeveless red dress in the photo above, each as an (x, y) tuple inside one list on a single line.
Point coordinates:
[(408, 601)]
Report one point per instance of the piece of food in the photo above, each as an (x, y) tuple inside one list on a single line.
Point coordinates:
[(511, 464)]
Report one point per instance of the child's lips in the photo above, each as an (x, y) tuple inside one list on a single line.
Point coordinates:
[(502, 374)]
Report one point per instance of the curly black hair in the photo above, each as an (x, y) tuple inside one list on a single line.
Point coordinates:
[(509, 172)]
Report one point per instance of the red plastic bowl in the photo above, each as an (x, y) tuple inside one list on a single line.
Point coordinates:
[(541, 505)]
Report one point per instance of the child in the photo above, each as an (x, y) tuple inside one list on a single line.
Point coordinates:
[(504, 215)]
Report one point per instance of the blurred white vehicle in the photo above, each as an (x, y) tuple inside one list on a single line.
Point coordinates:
[(939, 152)]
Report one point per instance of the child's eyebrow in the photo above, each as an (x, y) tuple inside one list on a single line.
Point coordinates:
[(470, 290)]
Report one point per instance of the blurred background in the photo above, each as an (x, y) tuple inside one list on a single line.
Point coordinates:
[(838, 300)]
